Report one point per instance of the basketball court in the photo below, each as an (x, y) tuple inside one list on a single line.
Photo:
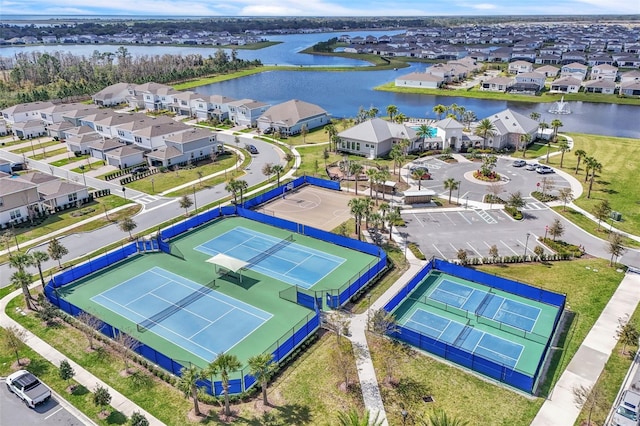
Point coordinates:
[(321, 208)]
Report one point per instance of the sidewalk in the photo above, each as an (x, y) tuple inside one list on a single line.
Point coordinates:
[(118, 401), (589, 361)]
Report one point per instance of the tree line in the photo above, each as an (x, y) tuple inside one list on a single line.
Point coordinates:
[(38, 76)]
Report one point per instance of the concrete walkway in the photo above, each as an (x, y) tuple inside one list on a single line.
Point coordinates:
[(589, 361), (118, 401)]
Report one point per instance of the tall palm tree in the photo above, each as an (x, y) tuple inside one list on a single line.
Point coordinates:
[(368, 210), (485, 129), (424, 132), (535, 116), (383, 176), (392, 217), (451, 184), (331, 130), (373, 112), (400, 118), (392, 110), (355, 418), (588, 162), (358, 207), (542, 127), (525, 139), (440, 110), (467, 118), (37, 258), (371, 175), (188, 384), (222, 366), (355, 169), (580, 153), (232, 187), (396, 155), (555, 125), (417, 173), (277, 169), (596, 166), (262, 368), (564, 147), (21, 279)]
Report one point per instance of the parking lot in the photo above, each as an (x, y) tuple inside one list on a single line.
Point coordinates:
[(443, 233), (14, 412)]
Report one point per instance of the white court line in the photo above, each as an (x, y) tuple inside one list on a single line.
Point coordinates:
[(54, 413), (499, 308), (500, 353), (509, 247), (462, 216), (425, 325)]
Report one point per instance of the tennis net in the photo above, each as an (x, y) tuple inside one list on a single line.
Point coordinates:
[(269, 252), (170, 310)]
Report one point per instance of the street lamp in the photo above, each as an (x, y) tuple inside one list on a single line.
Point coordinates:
[(123, 192), (546, 229), (466, 201), (458, 196), (526, 244), (195, 202), (153, 187)]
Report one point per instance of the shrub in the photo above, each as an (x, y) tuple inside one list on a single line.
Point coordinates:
[(515, 213)]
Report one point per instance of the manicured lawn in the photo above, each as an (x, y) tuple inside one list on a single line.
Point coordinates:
[(86, 167), (35, 146), (48, 154), (618, 180), (592, 227), (538, 149), (71, 159), (312, 154)]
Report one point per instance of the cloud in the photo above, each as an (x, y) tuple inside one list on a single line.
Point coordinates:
[(484, 6)]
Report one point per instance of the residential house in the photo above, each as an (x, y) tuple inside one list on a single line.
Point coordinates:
[(184, 103), (631, 88), (75, 116), (124, 156), (190, 145), (100, 148), (419, 80), (158, 98), (215, 106), (289, 117), (375, 138), (3, 128), (19, 201), (113, 95), (548, 59), (152, 136), (548, 71), (502, 54), (498, 84), (518, 67), (528, 82), (604, 72), (629, 76), (574, 69), (127, 132), (566, 85), (29, 129), (57, 194), (509, 128), (245, 112), (56, 113), (24, 112), (606, 87), (79, 139)]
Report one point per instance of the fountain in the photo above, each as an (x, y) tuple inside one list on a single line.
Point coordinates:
[(560, 107)]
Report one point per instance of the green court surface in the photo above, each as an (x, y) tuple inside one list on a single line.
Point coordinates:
[(255, 289), (500, 326)]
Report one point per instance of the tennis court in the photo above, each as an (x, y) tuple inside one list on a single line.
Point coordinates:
[(466, 337), (278, 258), (196, 317), (486, 304)]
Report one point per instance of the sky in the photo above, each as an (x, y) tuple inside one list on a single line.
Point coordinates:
[(317, 7)]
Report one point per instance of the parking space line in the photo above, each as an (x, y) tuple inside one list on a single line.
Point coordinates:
[(55, 412), (473, 248), (450, 220), (468, 221), (509, 247), (418, 219), (441, 254)]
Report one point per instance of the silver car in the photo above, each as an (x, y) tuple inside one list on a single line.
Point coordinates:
[(624, 417)]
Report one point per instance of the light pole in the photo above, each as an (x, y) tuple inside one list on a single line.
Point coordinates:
[(526, 244), (195, 202), (458, 196), (123, 192), (466, 201), (153, 187), (546, 229)]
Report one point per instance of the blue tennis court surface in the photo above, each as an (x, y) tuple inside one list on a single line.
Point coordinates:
[(486, 304), (211, 323), (468, 338), (289, 262)]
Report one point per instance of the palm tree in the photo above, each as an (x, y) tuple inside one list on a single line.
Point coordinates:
[(188, 384), (392, 217), (485, 128), (22, 279), (451, 184), (262, 368), (564, 147), (417, 174), (355, 169), (440, 418), (396, 155), (440, 110), (358, 207), (277, 169), (542, 127), (580, 154), (331, 130), (424, 132), (525, 139), (368, 210), (392, 110), (588, 161), (400, 118), (467, 118), (383, 176), (373, 112), (371, 175), (355, 418), (595, 167), (222, 366), (37, 258), (19, 261), (555, 125), (535, 116)]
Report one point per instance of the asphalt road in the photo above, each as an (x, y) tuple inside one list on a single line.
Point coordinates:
[(14, 412), (156, 209)]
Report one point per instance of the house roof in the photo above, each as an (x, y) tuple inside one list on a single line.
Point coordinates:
[(248, 103), (60, 108), (160, 129), (37, 177), (124, 151), (190, 135), (420, 76), (605, 84), (62, 125), (566, 81), (142, 121), (378, 130), (26, 107), (12, 185), (547, 69), (509, 121), (292, 112), (165, 153), (56, 188), (106, 144), (112, 91), (28, 124), (448, 123)]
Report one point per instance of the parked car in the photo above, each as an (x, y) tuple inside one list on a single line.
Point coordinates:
[(624, 416), (631, 400), (141, 169), (268, 131), (16, 167), (543, 170), (519, 163), (531, 166), (28, 388), (252, 149), (425, 172)]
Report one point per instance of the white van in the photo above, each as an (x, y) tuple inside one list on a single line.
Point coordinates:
[(631, 400)]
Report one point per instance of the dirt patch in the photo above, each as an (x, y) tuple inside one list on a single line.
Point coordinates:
[(24, 362)]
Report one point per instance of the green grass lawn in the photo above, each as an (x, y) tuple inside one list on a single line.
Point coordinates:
[(35, 146), (592, 227), (86, 167), (48, 154), (539, 149), (70, 159), (618, 180)]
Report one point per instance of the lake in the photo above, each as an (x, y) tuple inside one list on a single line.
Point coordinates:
[(342, 93)]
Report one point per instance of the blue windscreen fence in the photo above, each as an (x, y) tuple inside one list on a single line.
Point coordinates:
[(503, 373), (286, 344)]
